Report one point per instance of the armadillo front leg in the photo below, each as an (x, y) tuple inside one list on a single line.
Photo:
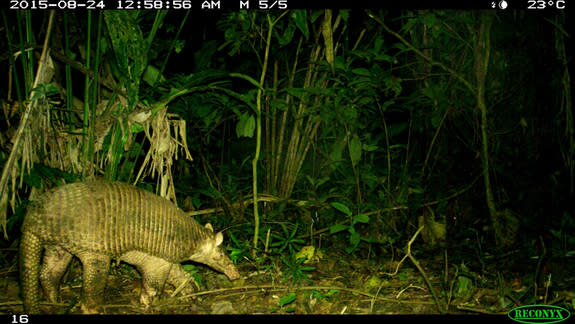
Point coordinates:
[(95, 269), (56, 260), (155, 273), (178, 276)]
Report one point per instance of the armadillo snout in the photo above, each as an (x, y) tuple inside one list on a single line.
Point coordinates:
[(232, 273)]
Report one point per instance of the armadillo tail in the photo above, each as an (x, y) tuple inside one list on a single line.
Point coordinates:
[(30, 253)]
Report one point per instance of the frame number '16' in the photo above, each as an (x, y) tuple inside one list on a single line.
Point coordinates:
[(19, 319)]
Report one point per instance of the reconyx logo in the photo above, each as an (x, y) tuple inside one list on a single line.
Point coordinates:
[(539, 314)]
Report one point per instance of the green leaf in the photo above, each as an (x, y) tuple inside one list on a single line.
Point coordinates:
[(307, 268), (152, 74), (45, 90), (246, 125), (189, 267), (387, 104), (287, 35), (136, 128), (287, 299), (341, 207), (337, 228), (369, 148), (247, 78), (361, 218), (354, 239), (300, 18), (336, 152), (355, 150), (394, 84), (361, 72), (51, 89), (332, 292), (417, 190), (377, 44)]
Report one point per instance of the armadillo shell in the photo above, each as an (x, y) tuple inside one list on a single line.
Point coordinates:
[(113, 218)]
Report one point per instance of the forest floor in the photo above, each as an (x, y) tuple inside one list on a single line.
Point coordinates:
[(332, 283)]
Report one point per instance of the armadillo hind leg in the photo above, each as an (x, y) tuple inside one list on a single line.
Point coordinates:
[(56, 260), (30, 252), (95, 270)]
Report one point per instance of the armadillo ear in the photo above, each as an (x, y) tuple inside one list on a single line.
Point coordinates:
[(219, 238), (209, 226)]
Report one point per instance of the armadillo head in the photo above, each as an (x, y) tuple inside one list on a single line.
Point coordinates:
[(212, 254)]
